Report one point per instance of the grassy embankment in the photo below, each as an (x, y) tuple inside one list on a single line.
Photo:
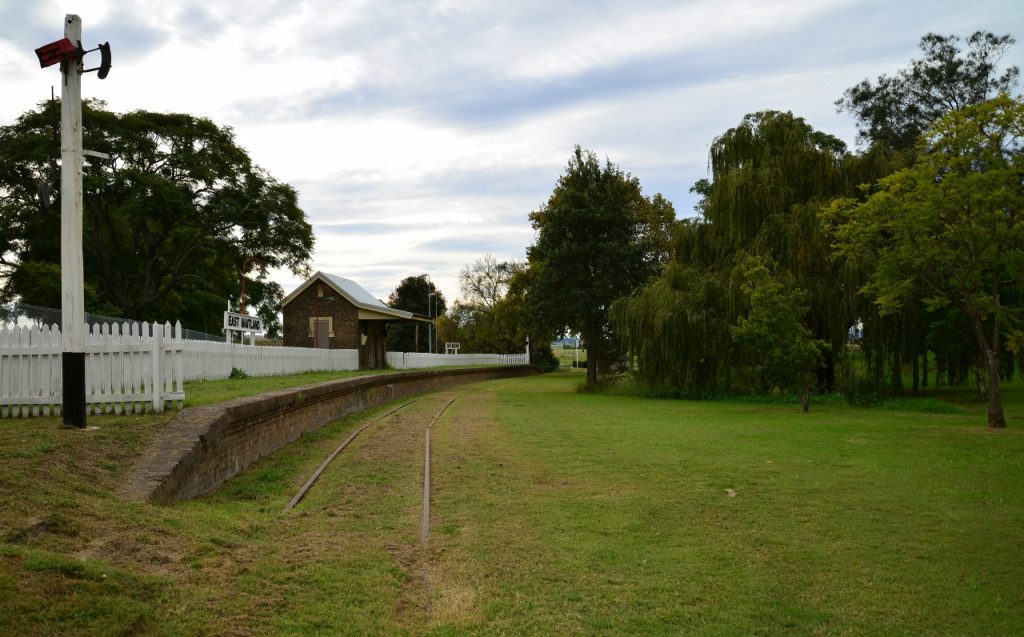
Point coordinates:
[(554, 512)]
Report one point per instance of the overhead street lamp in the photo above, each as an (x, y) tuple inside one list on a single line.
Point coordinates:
[(432, 315), (430, 326)]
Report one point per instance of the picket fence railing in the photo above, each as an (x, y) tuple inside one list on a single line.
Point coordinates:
[(128, 369), (206, 360), (414, 360), (143, 367)]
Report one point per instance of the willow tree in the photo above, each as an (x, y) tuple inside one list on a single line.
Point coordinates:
[(769, 177), (675, 326)]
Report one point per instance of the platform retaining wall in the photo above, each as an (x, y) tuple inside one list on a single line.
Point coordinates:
[(202, 447)]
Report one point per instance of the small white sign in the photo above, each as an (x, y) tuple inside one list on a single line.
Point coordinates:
[(242, 322)]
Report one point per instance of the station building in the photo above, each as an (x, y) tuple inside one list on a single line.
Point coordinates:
[(332, 312)]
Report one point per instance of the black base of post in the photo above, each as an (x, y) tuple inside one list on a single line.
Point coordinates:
[(73, 406)]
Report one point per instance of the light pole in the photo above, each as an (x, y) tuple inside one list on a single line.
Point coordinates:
[(245, 265), (430, 326), (432, 295)]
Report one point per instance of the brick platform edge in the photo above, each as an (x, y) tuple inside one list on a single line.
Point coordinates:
[(202, 447)]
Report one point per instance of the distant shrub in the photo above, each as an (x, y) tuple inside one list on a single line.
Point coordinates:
[(545, 359), (917, 403), (238, 373)]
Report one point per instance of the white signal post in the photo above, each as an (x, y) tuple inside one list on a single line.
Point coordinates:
[(68, 52), (71, 272)]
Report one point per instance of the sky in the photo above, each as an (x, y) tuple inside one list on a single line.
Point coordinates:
[(420, 135)]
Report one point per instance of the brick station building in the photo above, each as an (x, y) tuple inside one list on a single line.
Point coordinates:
[(332, 312)]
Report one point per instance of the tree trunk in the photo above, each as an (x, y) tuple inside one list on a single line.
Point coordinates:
[(805, 400), (897, 372), (916, 374), (996, 419), (590, 336), (827, 373)]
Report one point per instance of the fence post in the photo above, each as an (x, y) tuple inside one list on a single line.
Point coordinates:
[(179, 355), (157, 350)]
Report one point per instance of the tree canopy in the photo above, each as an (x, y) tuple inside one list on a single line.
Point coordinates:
[(896, 109), (769, 176), (168, 221), (486, 281), (598, 238), (784, 352), (419, 295), (486, 319), (950, 229), (692, 329)]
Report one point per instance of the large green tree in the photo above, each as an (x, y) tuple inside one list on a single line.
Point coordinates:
[(891, 114), (419, 295), (784, 352), (895, 110), (168, 221), (598, 238), (949, 229), (769, 176)]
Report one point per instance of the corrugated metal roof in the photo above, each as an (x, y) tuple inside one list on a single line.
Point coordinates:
[(356, 291), (356, 294)]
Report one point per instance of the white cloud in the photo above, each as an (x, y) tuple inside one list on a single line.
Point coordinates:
[(419, 135), (609, 40)]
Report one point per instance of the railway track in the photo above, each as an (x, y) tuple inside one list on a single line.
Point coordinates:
[(425, 529), (334, 454)]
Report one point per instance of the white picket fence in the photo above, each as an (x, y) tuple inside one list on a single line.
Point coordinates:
[(141, 367), (207, 360), (128, 369), (413, 360)]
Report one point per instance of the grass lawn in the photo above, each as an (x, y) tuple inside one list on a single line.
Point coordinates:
[(566, 357), (553, 512), (213, 391)]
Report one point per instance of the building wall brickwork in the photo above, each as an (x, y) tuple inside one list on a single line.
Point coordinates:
[(204, 446), (344, 315)]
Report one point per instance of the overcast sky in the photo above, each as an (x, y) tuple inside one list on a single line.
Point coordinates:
[(419, 135)]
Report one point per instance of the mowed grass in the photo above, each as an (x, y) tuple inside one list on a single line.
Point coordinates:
[(213, 391), (629, 516), (553, 512)]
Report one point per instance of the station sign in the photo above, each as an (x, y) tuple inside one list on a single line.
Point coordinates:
[(242, 322)]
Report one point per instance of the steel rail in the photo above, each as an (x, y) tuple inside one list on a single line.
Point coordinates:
[(316, 474), (425, 532)]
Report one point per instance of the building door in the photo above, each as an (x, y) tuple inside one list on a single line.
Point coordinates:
[(373, 345), (323, 334)]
